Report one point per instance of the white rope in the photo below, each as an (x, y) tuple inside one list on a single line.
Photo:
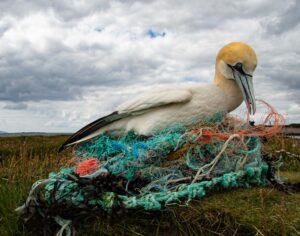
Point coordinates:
[(214, 161)]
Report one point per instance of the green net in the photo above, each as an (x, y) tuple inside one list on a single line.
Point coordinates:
[(174, 165)]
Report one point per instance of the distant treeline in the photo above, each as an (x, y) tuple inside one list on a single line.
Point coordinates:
[(293, 125)]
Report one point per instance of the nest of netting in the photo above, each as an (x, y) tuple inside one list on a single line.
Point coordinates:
[(175, 165)]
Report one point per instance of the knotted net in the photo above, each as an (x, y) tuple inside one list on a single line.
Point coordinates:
[(174, 165)]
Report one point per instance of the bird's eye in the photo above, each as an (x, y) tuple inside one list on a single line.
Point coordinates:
[(238, 66)]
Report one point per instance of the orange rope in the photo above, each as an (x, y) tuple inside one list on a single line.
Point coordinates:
[(260, 130), (87, 167)]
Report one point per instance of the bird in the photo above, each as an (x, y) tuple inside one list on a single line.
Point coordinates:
[(186, 104)]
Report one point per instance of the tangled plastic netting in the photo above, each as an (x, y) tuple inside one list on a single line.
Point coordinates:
[(171, 166)]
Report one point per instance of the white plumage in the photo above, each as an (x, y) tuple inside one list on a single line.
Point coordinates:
[(161, 107)]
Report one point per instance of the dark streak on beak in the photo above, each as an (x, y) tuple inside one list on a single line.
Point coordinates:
[(245, 84)]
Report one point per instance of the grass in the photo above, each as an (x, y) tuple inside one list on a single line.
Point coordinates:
[(255, 211)]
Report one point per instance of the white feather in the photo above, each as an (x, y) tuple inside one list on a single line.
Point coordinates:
[(155, 98)]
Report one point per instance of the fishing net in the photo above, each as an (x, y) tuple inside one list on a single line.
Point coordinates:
[(174, 165)]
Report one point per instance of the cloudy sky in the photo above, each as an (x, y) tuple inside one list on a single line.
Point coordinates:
[(66, 63)]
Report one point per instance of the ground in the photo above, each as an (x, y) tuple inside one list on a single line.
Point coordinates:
[(255, 211)]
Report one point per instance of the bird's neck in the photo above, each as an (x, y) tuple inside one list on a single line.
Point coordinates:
[(230, 88)]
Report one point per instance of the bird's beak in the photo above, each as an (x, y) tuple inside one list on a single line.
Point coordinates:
[(245, 84)]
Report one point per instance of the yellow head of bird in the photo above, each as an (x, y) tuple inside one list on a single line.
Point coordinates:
[(236, 62)]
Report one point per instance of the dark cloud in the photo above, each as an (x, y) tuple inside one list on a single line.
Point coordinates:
[(285, 21), (60, 73), (288, 81), (283, 73)]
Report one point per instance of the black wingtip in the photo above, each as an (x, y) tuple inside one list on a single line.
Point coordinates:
[(90, 128), (62, 147)]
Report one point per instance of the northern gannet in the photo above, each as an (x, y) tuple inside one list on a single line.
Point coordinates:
[(157, 109)]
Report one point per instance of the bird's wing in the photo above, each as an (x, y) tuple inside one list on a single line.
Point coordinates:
[(91, 128), (154, 99), (135, 106)]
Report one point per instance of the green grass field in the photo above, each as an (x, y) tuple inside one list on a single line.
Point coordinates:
[(255, 211)]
